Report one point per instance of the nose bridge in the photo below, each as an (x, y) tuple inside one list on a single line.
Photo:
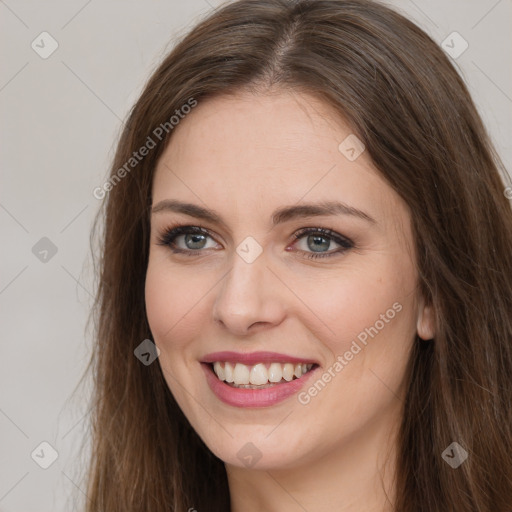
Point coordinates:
[(246, 295)]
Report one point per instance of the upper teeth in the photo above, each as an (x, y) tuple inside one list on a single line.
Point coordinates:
[(259, 374)]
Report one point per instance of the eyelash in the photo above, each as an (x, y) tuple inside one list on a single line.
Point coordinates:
[(170, 234)]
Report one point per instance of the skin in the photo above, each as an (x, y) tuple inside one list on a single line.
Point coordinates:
[(244, 156)]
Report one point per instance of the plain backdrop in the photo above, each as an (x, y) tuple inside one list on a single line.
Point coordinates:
[(61, 117)]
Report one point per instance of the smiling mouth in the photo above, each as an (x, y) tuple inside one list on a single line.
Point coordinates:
[(260, 375)]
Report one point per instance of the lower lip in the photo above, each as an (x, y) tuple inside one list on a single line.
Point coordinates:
[(243, 397)]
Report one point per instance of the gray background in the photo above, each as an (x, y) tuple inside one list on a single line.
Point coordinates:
[(61, 117)]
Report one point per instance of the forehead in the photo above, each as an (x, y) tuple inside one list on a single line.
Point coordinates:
[(252, 151)]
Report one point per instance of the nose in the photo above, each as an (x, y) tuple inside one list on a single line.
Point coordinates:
[(250, 298)]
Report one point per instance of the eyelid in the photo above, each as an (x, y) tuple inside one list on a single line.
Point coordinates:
[(170, 233), (340, 239)]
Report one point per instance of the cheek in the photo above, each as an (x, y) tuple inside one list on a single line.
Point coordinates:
[(171, 303), (371, 320), (172, 311), (376, 297)]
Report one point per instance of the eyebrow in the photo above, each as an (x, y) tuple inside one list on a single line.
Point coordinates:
[(279, 216)]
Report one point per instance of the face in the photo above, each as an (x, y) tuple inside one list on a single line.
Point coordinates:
[(309, 311)]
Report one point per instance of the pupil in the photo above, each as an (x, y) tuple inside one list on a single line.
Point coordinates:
[(194, 238), (318, 242)]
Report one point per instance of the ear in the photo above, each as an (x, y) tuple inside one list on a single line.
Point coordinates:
[(425, 325)]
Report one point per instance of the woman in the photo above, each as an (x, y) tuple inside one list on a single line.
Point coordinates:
[(305, 283)]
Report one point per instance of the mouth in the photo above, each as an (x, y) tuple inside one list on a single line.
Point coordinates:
[(260, 375), (259, 379)]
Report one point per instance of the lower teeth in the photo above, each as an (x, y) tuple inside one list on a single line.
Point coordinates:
[(255, 386)]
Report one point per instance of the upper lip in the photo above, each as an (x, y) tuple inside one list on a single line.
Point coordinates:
[(252, 358)]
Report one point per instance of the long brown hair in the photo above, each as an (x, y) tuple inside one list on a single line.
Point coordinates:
[(404, 99)]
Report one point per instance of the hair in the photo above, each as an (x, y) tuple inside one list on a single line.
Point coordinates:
[(407, 103)]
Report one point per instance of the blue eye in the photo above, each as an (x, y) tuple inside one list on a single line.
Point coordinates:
[(195, 239), (320, 238)]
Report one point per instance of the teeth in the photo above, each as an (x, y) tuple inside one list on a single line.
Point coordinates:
[(228, 372), (217, 368), (241, 374), (259, 375), (288, 372), (275, 372)]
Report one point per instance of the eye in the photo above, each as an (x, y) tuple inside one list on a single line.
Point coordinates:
[(319, 240), (194, 239)]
